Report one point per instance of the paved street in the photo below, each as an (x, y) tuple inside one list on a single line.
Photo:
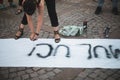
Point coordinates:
[(70, 12)]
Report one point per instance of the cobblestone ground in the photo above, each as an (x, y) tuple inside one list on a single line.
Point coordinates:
[(70, 12)]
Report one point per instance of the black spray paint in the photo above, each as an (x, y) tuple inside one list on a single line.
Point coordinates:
[(92, 50), (115, 53), (50, 50), (68, 50)]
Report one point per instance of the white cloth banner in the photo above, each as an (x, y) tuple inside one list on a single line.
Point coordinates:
[(69, 53)]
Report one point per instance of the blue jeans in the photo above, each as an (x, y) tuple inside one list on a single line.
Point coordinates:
[(114, 3)]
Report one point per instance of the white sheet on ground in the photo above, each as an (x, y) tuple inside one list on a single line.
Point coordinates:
[(69, 53)]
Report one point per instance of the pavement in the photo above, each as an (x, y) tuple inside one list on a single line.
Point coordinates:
[(70, 12)]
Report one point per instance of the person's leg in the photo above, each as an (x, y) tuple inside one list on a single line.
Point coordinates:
[(40, 16), (30, 24), (53, 18), (115, 7), (19, 10), (20, 2), (52, 12), (21, 27), (11, 3), (100, 3), (27, 19), (99, 7), (24, 20), (29, 9), (2, 6)]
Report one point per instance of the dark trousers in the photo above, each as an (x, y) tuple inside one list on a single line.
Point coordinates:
[(10, 0), (24, 20), (1, 1), (51, 11), (51, 7), (20, 2), (114, 3)]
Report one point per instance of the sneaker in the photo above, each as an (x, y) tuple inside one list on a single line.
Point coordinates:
[(115, 11), (98, 10)]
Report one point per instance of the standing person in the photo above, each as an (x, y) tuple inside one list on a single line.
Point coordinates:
[(2, 6), (11, 4), (19, 10), (53, 18), (29, 7), (51, 6), (100, 5)]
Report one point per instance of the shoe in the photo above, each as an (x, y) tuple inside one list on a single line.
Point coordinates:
[(19, 33), (98, 10), (18, 11), (57, 40), (115, 11)]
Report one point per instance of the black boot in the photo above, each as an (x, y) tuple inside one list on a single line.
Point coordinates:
[(115, 11), (98, 10)]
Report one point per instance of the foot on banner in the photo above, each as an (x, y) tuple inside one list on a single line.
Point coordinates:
[(19, 33), (57, 36)]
